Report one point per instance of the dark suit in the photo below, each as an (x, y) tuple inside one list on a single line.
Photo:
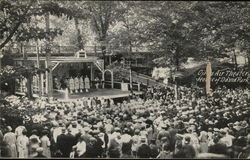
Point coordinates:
[(70, 140), (61, 144), (144, 151)]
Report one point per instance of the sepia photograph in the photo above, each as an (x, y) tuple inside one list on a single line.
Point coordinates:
[(124, 79)]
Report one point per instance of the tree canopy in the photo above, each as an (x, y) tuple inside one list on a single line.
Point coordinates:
[(173, 30)]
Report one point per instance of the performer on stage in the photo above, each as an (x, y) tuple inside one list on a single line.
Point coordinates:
[(71, 85), (81, 85), (97, 80), (24, 82), (87, 84), (77, 87)]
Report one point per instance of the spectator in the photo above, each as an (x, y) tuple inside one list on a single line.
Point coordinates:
[(10, 140), (39, 153), (165, 152), (45, 144), (62, 142), (144, 150), (188, 149), (23, 145), (218, 148), (80, 148)]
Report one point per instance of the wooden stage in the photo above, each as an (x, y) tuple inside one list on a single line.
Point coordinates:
[(105, 93)]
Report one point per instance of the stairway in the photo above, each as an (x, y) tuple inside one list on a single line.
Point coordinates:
[(99, 63)]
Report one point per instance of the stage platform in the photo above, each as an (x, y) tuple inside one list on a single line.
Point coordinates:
[(105, 93)]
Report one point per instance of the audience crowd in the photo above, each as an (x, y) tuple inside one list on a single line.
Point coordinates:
[(156, 125)]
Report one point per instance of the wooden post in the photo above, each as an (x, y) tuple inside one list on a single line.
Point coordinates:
[(103, 79), (42, 84), (38, 66), (47, 79), (110, 59), (139, 87), (112, 80), (95, 51), (91, 72)]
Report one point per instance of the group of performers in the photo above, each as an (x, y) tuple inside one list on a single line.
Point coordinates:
[(77, 84)]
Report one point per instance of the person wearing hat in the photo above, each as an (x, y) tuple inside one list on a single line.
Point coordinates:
[(34, 141), (165, 152), (218, 148), (144, 150), (86, 136), (114, 149), (22, 144), (203, 138), (39, 153), (10, 139), (73, 128), (80, 148), (126, 149), (187, 148), (70, 141), (162, 133), (91, 149), (62, 142), (45, 143), (57, 130), (226, 138), (98, 145), (154, 148), (135, 140)]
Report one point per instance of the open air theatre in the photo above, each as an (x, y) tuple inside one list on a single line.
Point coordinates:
[(66, 78)]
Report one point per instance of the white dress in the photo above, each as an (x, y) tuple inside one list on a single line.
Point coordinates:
[(45, 143), (71, 84), (87, 85), (76, 81), (23, 146), (81, 83)]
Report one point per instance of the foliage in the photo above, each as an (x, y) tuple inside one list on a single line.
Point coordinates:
[(10, 72), (173, 30), (19, 20), (177, 30)]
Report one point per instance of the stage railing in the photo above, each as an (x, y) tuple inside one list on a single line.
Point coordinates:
[(118, 85)]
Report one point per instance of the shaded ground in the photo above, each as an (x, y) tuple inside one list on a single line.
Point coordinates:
[(105, 93)]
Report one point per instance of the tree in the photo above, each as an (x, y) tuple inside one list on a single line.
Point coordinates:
[(126, 34), (225, 26), (16, 22), (170, 30), (203, 30), (19, 23), (103, 14), (77, 12)]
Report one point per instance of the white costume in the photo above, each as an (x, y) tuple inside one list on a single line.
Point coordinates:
[(76, 84), (71, 85), (81, 84), (87, 83)]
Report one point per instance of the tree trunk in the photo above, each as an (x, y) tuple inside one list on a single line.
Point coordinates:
[(103, 47), (177, 59), (29, 87), (78, 34), (130, 46), (48, 58)]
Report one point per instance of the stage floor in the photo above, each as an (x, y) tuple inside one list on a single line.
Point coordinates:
[(105, 93)]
